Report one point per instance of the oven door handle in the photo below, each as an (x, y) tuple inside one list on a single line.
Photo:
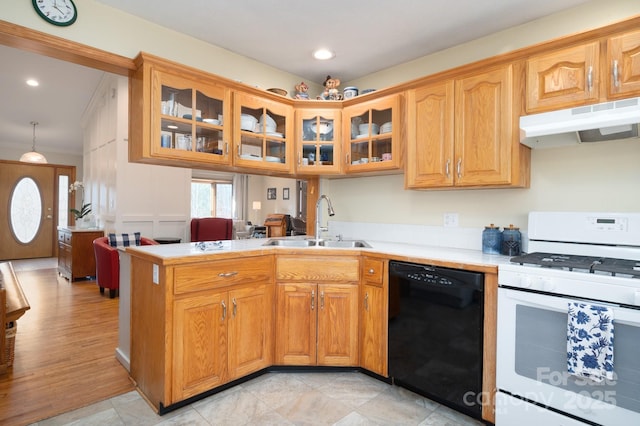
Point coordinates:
[(621, 315)]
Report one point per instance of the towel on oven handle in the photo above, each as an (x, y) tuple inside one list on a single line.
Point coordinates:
[(590, 341)]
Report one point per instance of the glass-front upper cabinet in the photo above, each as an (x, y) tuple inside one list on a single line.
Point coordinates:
[(318, 148), (191, 119), (373, 131), (262, 131)]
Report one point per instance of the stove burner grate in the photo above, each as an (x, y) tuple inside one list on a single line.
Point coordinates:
[(591, 264), (554, 260), (619, 267)]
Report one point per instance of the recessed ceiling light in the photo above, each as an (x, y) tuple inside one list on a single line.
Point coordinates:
[(33, 83), (172, 126), (323, 54)]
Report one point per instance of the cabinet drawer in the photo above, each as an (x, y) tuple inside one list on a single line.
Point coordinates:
[(64, 237), (321, 268), (373, 271), (220, 273)]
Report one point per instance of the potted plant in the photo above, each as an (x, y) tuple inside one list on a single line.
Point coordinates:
[(82, 215)]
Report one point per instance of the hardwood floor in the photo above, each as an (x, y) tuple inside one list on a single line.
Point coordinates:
[(65, 349)]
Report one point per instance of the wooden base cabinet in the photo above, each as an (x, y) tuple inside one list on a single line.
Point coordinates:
[(317, 322), (374, 314), (199, 336), (221, 336), (76, 258), (196, 326)]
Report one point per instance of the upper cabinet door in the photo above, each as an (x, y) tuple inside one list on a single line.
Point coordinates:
[(187, 119), (318, 149), (430, 141), (263, 133), (563, 78), (623, 58), (373, 133), (485, 136)]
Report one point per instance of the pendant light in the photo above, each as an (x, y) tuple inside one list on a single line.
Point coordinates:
[(33, 156)]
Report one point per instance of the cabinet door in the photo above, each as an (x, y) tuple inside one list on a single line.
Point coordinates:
[(187, 119), (484, 133), (563, 78), (263, 130), (372, 133), (623, 58), (430, 141), (318, 148), (296, 324), (373, 329), (337, 325), (250, 329), (199, 344)]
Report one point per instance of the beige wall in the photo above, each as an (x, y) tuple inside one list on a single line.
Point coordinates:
[(594, 14), (603, 176), (117, 32), (595, 177)]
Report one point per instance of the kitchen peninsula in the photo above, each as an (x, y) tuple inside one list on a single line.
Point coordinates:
[(203, 319)]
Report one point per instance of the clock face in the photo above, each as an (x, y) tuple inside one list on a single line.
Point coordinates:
[(57, 12)]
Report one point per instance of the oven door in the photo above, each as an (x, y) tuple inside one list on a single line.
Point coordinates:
[(531, 363)]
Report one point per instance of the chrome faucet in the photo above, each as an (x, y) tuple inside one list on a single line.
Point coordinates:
[(331, 213)]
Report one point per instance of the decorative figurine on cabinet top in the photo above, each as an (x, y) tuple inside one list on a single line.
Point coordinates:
[(301, 91), (331, 92)]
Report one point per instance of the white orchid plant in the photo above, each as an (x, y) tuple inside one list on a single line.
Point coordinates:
[(86, 208)]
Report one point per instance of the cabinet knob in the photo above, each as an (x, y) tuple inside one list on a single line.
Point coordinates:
[(371, 271)]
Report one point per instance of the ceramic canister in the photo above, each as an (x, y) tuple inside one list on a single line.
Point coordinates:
[(350, 92), (511, 241), (491, 239)]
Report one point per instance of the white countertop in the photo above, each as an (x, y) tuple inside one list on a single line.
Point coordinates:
[(416, 251)]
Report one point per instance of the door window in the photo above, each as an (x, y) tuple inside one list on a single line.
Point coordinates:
[(25, 210)]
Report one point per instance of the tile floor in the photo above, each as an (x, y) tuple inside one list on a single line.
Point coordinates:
[(281, 398)]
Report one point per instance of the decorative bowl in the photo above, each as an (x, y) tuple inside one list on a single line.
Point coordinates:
[(280, 92)]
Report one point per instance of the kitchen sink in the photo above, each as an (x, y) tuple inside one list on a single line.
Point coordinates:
[(290, 243), (343, 243), (313, 243)]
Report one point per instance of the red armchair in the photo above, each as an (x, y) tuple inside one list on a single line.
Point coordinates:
[(211, 229), (108, 264)]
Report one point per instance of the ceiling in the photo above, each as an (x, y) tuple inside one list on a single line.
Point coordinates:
[(366, 36)]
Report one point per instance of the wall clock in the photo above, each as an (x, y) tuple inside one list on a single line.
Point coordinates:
[(56, 12)]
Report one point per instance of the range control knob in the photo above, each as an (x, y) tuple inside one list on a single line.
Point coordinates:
[(525, 281)]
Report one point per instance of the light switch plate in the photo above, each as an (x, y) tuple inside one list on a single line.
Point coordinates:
[(450, 219)]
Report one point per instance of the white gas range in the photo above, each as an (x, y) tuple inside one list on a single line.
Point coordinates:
[(554, 367)]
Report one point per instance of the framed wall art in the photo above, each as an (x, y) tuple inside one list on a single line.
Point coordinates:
[(271, 193), (285, 193)]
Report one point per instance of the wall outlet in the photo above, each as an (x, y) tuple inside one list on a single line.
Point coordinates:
[(450, 219)]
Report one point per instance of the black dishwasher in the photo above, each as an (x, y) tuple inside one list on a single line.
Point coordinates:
[(435, 333)]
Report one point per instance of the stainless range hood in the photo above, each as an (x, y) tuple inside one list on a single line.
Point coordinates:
[(592, 123)]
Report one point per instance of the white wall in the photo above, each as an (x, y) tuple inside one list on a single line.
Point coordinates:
[(129, 197), (258, 192)]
